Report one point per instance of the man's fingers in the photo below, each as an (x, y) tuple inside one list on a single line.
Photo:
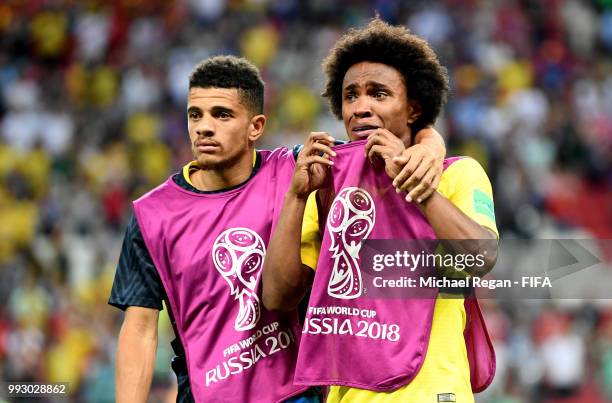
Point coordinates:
[(402, 159), (372, 141), (405, 171), (423, 190), (393, 168), (409, 180), (317, 143), (376, 150), (320, 148), (317, 159), (426, 195), (320, 137), (416, 191), (436, 180), (415, 178), (385, 134)]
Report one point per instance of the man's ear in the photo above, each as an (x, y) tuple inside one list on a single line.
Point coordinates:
[(414, 112), (256, 127)]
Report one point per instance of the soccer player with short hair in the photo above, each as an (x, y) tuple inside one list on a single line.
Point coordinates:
[(197, 242), (385, 84)]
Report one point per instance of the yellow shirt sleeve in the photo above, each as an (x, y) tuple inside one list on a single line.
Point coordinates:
[(311, 239), (466, 184)]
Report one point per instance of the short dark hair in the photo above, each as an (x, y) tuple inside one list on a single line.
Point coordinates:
[(425, 78), (231, 72)]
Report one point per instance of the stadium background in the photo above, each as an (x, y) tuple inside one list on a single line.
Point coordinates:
[(92, 114)]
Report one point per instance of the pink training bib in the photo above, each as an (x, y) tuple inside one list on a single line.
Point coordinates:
[(209, 251), (352, 337)]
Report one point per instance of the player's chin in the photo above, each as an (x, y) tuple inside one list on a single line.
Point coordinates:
[(356, 136), (208, 161), (215, 161)]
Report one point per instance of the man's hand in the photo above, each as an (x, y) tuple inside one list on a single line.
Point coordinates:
[(384, 144), (312, 164), (416, 172)]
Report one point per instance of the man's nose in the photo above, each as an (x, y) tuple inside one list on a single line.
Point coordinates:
[(206, 126), (362, 107)]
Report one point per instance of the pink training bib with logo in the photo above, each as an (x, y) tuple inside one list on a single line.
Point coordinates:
[(353, 337), (209, 251)]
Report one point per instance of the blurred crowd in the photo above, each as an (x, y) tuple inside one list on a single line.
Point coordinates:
[(92, 114)]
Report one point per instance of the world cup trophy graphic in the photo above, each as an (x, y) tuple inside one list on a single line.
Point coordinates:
[(351, 219), (238, 254)]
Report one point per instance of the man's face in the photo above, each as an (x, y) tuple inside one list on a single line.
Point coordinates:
[(373, 96), (220, 127)]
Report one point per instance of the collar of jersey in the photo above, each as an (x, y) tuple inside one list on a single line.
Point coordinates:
[(192, 166)]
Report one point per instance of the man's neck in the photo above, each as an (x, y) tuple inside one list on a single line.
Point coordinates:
[(407, 138), (210, 180)]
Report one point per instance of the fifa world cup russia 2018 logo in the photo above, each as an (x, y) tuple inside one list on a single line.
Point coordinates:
[(238, 254), (351, 219)]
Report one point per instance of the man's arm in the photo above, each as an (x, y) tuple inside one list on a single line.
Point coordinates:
[(136, 351), (138, 290), (285, 278), (462, 211), (430, 137), (449, 222)]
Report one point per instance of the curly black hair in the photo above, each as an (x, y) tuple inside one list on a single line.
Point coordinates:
[(231, 72), (425, 78)]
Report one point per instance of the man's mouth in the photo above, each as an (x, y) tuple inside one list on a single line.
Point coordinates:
[(206, 146), (364, 131)]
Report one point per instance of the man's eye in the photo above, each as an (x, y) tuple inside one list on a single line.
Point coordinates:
[(224, 115), (193, 115), (350, 96), (380, 94)]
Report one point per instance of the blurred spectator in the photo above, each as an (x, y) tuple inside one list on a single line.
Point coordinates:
[(562, 353)]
